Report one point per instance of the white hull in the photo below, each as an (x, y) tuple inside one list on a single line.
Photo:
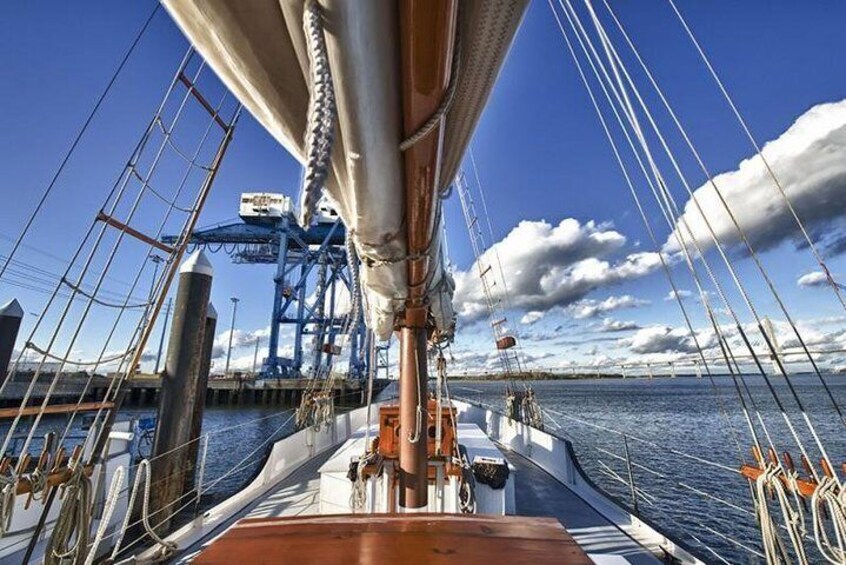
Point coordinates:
[(295, 459)]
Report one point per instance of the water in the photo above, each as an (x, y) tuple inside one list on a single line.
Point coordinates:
[(683, 414)]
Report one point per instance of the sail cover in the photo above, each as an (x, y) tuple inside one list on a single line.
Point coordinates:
[(258, 49)]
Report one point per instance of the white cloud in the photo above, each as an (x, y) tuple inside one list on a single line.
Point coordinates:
[(548, 266), (610, 325), (664, 339), (240, 338), (530, 318), (814, 278), (810, 162), (675, 294), (589, 308)]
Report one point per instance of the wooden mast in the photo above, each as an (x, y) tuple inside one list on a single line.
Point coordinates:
[(427, 30)]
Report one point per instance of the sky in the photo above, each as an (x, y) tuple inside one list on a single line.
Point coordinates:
[(585, 280)]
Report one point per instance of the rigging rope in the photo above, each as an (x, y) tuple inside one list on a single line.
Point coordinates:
[(143, 472), (827, 500), (109, 509), (115, 196), (753, 254), (702, 293), (835, 287), (8, 493), (77, 139), (616, 67)]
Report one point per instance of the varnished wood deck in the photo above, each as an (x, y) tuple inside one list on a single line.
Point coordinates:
[(395, 539)]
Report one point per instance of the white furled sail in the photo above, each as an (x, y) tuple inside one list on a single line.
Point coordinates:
[(258, 49)]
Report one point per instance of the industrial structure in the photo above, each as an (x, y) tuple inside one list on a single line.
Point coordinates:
[(310, 282)]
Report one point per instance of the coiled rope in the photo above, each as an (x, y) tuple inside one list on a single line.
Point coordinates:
[(321, 114), (8, 493), (774, 550), (69, 540), (826, 497)]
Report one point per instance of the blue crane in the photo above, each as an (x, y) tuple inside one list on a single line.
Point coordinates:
[(310, 264)]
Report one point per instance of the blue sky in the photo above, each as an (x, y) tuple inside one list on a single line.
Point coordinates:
[(540, 152)]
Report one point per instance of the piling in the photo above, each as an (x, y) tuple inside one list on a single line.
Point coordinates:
[(11, 315), (178, 398), (202, 387)]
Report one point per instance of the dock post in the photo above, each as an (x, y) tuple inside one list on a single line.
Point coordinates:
[(202, 386), (171, 460), (11, 315)]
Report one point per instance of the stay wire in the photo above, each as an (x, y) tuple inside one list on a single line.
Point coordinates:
[(733, 219), (690, 263), (617, 67), (78, 138), (705, 59)]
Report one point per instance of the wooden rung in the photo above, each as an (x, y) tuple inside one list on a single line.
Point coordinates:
[(498, 322), (806, 488), (134, 233), (486, 271), (202, 100), (8, 413), (54, 479)]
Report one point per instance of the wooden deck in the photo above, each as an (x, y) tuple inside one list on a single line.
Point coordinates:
[(396, 539)]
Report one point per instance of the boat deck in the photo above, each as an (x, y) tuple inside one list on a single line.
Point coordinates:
[(537, 494)]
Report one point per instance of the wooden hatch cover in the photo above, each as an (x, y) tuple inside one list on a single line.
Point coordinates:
[(396, 539)]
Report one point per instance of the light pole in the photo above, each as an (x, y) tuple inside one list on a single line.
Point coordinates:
[(231, 331), (161, 339), (157, 260), (255, 354)]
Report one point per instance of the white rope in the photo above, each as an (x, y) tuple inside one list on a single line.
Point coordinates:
[(835, 287), (143, 471), (108, 510), (619, 87), (8, 493), (826, 497), (446, 102), (321, 114), (771, 481)]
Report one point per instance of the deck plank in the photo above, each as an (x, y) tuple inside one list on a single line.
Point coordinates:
[(539, 494), (397, 538)]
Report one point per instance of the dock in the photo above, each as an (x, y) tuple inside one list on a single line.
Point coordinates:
[(143, 390)]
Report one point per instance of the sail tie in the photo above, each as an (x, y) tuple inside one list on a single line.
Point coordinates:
[(446, 103), (322, 111)]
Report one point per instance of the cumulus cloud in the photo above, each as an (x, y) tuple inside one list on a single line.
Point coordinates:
[(549, 266), (814, 278), (676, 294), (664, 339), (240, 338), (611, 325), (479, 361), (530, 318), (590, 308), (810, 162)]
